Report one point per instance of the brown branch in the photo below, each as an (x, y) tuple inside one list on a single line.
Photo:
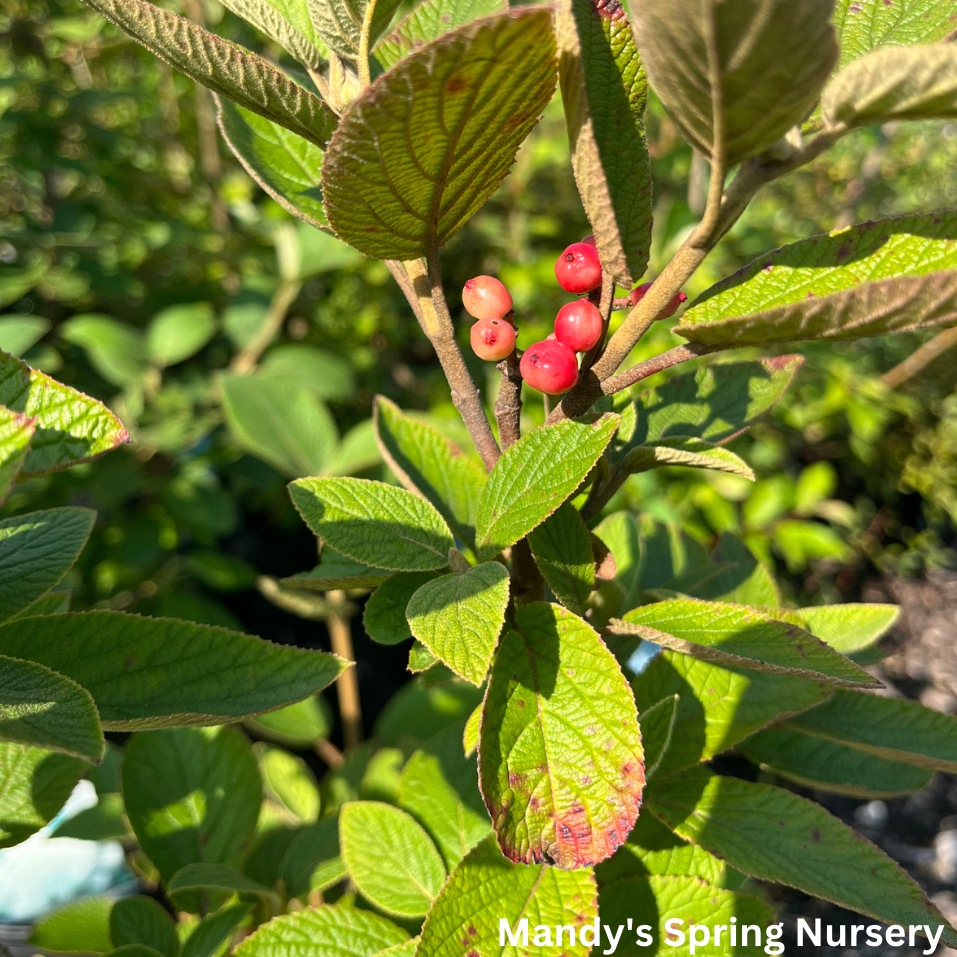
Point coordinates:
[(433, 316), (347, 684), (508, 405), (918, 360)]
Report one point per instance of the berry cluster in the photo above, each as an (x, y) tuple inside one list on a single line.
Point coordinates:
[(550, 366)]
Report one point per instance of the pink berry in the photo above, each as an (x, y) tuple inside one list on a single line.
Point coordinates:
[(639, 293), (578, 269), (578, 325), (486, 297), (550, 367), (492, 339)]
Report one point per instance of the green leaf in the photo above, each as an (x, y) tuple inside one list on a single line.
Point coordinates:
[(54, 603), (862, 27), (735, 77), (534, 476), (134, 950), (485, 889), (42, 708), (864, 280), (18, 332), (179, 332), (717, 707), (652, 848), (657, 726), (604, 92), (16, 432), (36, 551), (338, 571), (737, 635), (81, 926), (420, 658), (222, 879), (328, 375), (280, 422), (34, 785), (17, 281), (287, 23), (114, 349), (562, 550), (390, 858), (313, 862), (222, 66), (343, 23), (458, 617), (143, 920), (298, 725), (192, 795), (323, 932), (371, 522), (470, 736), (405, 949), (427, 464), (657, 898), (105, 821), (439, 788), (824, 765), (691, 453), (740, 578), (909, 83), (892, 728), (775, 835), (283, 163), (158, 672), (208, 936), (428, 21), (422, 709), (70, 427), (560, 751), (851, 627), (472, 97), (290, 783), (384, 617)]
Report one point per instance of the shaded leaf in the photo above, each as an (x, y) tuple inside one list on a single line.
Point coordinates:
[(297, 725), (289, 783), (472, 96), (158, 672), (737, 635), (42, 708), (143, 920), (390, 857), (560, 756), (179, 332), (220, 878), (864, 280), (114, 349), (313, 862), (604, 92), (562, 548), (735, 77), (36, 551), (277, 19), (222, 66), (283, 163), (342, 23), (374, 523), (420, 658), (70, 427), (338, 571), (208, 936), (534, 476), (83, 925), (775, 835), (458, 617), (691, 453), (657, 725), (384, 617)]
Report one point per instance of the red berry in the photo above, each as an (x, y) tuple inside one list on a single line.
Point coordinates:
[(578, 325), (486, 297), (492, 339), (578, 269), (549, 367), (639, 293)]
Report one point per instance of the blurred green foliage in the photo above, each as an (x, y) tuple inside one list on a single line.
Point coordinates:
[(140, 264)]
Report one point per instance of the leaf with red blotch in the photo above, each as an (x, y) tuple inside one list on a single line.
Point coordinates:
[(560, 758)]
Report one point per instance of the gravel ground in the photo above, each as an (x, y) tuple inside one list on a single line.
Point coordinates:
[(920, 831)]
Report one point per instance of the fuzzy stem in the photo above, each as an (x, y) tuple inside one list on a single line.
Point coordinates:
[(918, 360), (508, 405), (432, 312), (347, 684), (284, 296)]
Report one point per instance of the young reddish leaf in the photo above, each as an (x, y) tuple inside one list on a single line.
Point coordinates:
[(470, 98), (560, 756), (604, 92)]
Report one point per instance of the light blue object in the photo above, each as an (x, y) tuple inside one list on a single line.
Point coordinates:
[(45, 871), (642, 656)]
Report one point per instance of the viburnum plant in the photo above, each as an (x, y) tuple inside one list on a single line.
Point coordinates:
[(535, 769)]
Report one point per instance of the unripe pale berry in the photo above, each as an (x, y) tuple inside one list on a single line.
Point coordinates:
[(578, 269), (486, 297), (550, 367), (639, 293), (578, 325), (492, 339)]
